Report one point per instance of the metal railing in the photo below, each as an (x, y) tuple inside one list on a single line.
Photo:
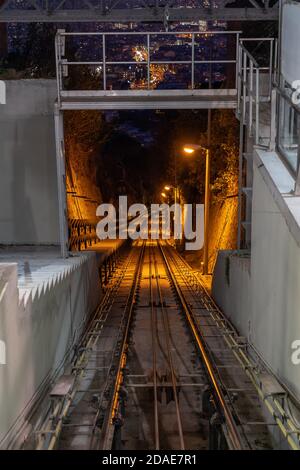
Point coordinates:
[(258, 372), (192, 51), (82, 234), (259, 84), (255, 84), (256, 110)]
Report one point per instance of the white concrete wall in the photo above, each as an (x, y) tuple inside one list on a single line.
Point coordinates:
[(38, 335), (264, 301), (231, 290), (28, 188), (275, 273)]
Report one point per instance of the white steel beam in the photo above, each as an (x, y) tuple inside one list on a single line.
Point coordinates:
[(148, 99)]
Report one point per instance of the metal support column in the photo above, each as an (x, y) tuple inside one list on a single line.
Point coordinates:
[(239, 234), (297, 182), (206, 208), (61, 181)]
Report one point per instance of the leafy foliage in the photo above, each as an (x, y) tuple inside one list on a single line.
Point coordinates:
[(224, 154), (33, 50)]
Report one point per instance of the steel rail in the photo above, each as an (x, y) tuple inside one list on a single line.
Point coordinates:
[(151, 33), (62, 409), (107, 382), (169, 355), (189, 283), (233, 433), (87, 342), (154, 355), (284, 422), (183, 273), (109, 426)]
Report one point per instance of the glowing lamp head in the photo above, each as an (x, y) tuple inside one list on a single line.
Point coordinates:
[(163, 194), (188, 150), (167, 188)]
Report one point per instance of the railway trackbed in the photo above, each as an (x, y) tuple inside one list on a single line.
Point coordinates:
[(155, 369)]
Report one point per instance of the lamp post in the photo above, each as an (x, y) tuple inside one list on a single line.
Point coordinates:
[(190, 149), (176, 192), (176, 200)]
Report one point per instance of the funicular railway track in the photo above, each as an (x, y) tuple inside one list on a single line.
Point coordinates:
[(159, 308), (73, 420), (173, 387), (153, 371)]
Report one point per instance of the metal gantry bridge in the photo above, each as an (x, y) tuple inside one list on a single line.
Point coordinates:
[(247, 85), (108, 93), (136, 11)]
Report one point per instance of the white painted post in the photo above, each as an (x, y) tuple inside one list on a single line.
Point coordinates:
[(193, 62), (104, 61), (250, 114)]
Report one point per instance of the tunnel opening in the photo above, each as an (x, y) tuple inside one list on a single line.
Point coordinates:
[(140, 153)]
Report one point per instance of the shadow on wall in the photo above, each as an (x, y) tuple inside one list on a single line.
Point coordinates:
[(222, 232), (33, 185), (24, 229), (28, 180)]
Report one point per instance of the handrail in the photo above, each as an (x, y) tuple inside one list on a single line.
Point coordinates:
[(273, 402), (233, 433), (249, 85), (143, 33), (250, 56), (62, 63)]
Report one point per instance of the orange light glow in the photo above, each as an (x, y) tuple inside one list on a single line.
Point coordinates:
[(188, 150), (163, 194)]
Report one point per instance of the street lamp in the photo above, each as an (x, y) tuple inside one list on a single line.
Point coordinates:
[(175, 189), (190, 149)]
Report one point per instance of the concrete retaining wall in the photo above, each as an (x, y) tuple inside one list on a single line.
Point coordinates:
[(28, 187), (38, 335), (231, 289)]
